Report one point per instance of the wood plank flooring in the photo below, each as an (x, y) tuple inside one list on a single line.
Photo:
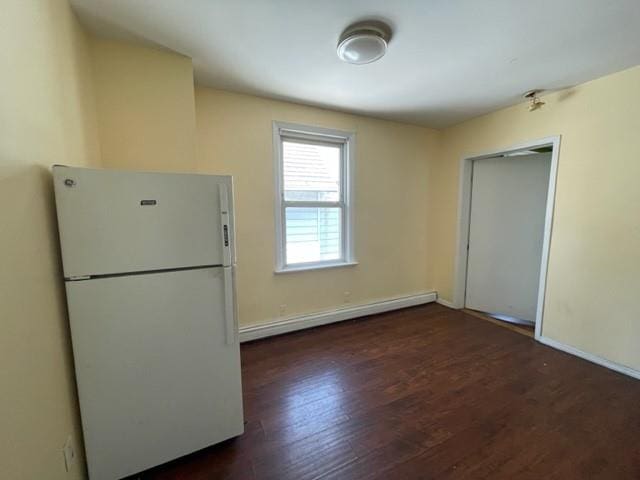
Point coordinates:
[(527, 330), (423, 393)]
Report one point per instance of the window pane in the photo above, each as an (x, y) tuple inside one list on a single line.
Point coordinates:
[(313, 234), (311, 172)]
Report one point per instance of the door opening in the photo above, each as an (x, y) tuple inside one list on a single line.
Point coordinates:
[(505, 216)]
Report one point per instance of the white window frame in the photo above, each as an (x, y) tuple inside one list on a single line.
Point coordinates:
[(283, 130)]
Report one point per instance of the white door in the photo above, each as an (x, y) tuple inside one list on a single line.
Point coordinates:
[(118, 222), (157, 366), (508, 204)]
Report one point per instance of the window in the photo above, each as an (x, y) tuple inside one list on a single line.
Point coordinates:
[(313, 177)]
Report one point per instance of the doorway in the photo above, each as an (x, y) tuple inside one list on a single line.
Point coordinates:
[(505, 217)]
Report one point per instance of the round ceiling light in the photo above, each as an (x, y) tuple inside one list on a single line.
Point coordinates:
[(364, 42)]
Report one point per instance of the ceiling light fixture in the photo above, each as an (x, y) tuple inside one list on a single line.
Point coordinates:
[(534, 101), (364, 42)]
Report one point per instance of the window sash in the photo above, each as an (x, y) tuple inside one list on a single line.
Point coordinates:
[(342, 168), (304, 136), (312, 204), (340, 259)]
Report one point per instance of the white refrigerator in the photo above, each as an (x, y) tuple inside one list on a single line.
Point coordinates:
[(148, 262)]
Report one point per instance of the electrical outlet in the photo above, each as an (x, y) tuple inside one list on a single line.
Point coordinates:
[(69, 454), (347, 297), (283, 309)]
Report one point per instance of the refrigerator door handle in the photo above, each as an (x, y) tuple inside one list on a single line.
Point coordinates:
[(224, 222), (229, 307)]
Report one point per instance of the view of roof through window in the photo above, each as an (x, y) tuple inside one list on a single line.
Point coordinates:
[(311, 172)]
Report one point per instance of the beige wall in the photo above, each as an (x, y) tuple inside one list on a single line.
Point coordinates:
[(46, 116), (145, 104), (593, 281), (392, 170), (146, 109)]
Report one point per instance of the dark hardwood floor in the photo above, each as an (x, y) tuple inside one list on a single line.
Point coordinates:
[(423, 393)]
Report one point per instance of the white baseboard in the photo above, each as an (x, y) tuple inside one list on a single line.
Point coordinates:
[(590, 357), (301, 322), (446, 303)]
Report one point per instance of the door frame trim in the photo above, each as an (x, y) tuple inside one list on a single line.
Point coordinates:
[(464, 211)]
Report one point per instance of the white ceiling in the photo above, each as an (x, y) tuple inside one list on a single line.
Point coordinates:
[(448, 60)]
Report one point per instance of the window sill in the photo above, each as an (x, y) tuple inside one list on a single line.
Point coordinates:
[(320, 266)]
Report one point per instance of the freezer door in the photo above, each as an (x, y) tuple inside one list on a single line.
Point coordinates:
[(157, 369), (118, 222)]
